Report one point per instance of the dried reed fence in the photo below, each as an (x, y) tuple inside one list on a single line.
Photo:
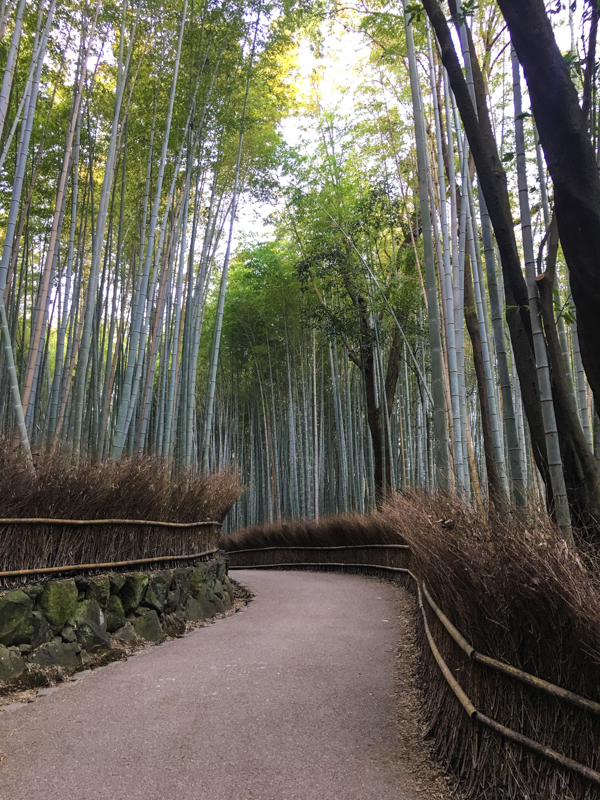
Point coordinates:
[(81, 512), (516, 595), (88, 545)]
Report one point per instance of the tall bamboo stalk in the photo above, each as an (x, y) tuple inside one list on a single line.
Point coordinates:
[(563, 517)]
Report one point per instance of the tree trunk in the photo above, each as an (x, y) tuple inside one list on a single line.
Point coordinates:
[(571, 161), (493, 184), (374, 420), (440, 433), (584, 494), (555, 464), (496, 492)]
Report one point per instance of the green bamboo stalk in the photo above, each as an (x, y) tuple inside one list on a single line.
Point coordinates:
[(9, 68), (445, 269), (54, 231), (98, 236), (439, 410), (212, 383), (125, 408), (29, 113)]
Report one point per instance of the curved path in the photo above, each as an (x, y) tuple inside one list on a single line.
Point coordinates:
[(293, 699)]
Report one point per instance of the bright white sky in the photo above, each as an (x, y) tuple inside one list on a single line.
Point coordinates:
[(339, 74)]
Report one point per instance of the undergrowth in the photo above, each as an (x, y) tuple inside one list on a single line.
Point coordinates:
[(67, 488), (338, 530)]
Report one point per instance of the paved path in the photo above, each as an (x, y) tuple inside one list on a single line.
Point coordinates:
[(292, 699)]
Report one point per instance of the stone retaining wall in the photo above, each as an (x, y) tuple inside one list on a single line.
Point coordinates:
[(58, 623)]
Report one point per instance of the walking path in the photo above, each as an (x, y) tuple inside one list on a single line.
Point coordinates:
[(293, 699)]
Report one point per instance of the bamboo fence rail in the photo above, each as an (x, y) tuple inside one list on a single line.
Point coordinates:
[(107, 565), (86, 522), (40, 546)]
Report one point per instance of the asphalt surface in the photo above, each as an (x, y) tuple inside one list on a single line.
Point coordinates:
[(292, 699)]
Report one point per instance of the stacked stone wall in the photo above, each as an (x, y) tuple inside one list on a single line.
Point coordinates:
[(59, 623)]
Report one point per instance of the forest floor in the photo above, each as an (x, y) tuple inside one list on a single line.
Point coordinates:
[(309, 694)]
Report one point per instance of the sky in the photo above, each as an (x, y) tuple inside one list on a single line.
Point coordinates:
[(338, 70)]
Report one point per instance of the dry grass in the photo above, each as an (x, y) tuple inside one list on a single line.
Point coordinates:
[(142, 488), (517, 594), (342, 529), (334, 531), (132, 488)]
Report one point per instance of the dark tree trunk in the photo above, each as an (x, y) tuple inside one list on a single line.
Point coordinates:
[(581, 468), (367, 365), (393, 370), (496, 492), (380, 442), (374, 420), (391, 381), (563, 133), (590, 65)]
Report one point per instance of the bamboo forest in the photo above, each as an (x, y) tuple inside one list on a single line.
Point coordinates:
[(339, 250)]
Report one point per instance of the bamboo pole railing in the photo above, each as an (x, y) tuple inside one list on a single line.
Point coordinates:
[(86, 522), (499, 666), (105, 565), (63, 568)]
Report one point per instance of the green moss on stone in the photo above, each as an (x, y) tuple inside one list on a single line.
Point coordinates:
[(11, 664), (117, 581), (115, 615), (182, 577), (198, 578), (173, 625), (16, 618), (99, 589), (228, 586), (133, 590), (227, 593), (126, 633), (212, 568), (193, 612), (90, 626), (58, 602), (42, 632), (222, 563), (158, 587), (147, 626), (204, 600)]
